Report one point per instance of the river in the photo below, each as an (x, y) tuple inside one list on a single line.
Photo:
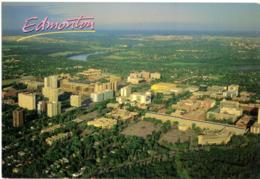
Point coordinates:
[(84, 57)]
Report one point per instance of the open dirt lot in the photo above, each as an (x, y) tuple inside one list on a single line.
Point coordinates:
[(141, 129)]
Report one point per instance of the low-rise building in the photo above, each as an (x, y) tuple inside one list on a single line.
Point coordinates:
[(32, 84), (141, 98), (192, 104), (217, 89), (122, 100), (92, 74), (113, 105), (9, 92), (193, 108), (58, 137), (9, 101), (230, 107), (191, 122), (137, 77), (201, 94), (244, 96), (97, 97), (216, 92), (213, 115), (122, 114), (51, 128), (192, 89), (228, 110), (221, 137), (103, 122), (134, 81), (125, 91), (155, 76), (81, 88)]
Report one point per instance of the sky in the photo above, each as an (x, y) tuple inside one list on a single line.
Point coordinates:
[(140, 16)]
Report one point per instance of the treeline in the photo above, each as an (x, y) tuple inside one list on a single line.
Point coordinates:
[(239, 159)]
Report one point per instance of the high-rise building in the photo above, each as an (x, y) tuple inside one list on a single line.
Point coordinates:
[(51, 81), (54, 94), (101, 96), (50, 89), (27, 100), (42, 107), (125, 91), (75, 100), (100, 87), (18, 118), (53, 108)]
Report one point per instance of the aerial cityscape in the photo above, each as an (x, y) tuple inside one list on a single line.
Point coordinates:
[(131, 102)]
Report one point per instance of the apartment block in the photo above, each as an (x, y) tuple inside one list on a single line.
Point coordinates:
[(18, 118), (103, 122), (141, 98), (42, 107), (102, 96), (27, 100), (125, 91), (53, 108), (75, 100)]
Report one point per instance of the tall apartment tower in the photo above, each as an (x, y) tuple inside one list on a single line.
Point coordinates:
[(53, 94), (53, 108), (50, 89), (18, 118), (51, 81)]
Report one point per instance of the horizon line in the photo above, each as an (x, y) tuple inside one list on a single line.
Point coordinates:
[(57, 32)]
